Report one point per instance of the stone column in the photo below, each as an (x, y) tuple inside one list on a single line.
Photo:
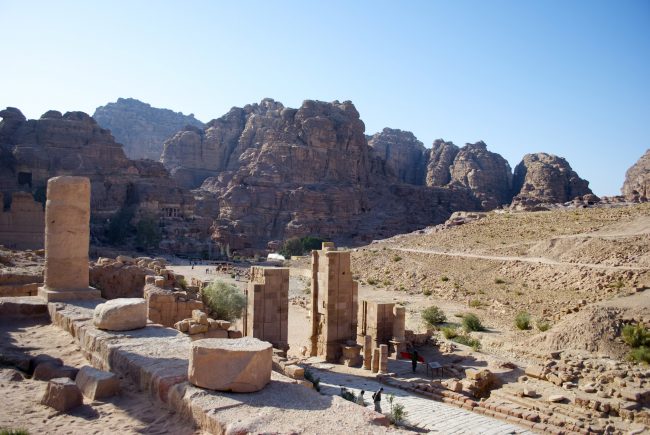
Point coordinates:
[(367, 352), (375, 360), (399, 322), (67, 238), (383, 358)]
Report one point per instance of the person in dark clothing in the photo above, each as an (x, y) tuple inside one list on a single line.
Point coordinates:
[(414, 359), (376, 398)]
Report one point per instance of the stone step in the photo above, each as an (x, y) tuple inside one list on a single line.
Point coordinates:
[(23, 307)]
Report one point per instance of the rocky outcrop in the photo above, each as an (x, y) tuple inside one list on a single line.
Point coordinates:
[(637, 180), (74, 144), (440, 159), (142, 129), (485, 173), (404, 155), (546, 179)]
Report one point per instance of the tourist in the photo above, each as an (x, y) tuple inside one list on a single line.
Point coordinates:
[(376, 398), (414, 359)]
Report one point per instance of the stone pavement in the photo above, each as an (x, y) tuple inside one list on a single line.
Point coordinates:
[(435, 417)]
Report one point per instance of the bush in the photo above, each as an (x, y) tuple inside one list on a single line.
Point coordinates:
[(543, 325), (449, 332), (522, 320), (475, 303), (640, 354), (472, 323), (465, 339), (10, 431), (433, 315), (426, 292), (182, 283), (120, 226), (309, 243), (444, 278), (372, 281), (225, 301), (397, 258), (147, 233), (397, 413), (636, 335), (291, 246), (499, 281)]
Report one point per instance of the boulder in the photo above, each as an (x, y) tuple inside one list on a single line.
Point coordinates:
[(97, 384), (244, 364), (122, 314), (62, 394), (51, 370)]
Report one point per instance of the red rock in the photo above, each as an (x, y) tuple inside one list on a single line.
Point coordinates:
[(62, 394)]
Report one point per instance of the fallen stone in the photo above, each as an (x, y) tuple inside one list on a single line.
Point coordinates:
[(42, 358), (529, 392), (51, 370), (294, 371), (244, 364), (234, 334), (62, 394), (535, 371), (122, 314), (556, 398), (97, 384), (10, 375)]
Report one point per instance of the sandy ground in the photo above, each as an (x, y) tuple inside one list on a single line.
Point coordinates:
[(131, 412)]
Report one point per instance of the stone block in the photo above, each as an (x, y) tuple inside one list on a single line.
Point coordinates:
[(200, 317), (122, 314), (62, 394), (216, 333), (197, 328), (294, 371), (244, 364), (97, 384), (232, 333), (183, 325), (535, 371), (50, 370)]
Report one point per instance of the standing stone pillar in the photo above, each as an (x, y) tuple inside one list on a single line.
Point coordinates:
[(67, 238), (375, 360), (399, 322), (383, 358), (367, 352)]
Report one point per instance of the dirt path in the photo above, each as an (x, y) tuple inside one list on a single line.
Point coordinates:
[(536, 260)]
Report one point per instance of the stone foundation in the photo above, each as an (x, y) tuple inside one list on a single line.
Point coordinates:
[(166, 307)]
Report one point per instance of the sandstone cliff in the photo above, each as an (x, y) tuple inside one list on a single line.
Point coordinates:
[(546, 179), (637, 180), (142, 129), (74, 144), (440, 159), (404, 155), (279, 172)]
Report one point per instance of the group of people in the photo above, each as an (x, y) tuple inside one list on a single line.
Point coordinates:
[(376, 398)]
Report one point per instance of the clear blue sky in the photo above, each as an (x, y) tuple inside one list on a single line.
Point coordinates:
[(567, 77)]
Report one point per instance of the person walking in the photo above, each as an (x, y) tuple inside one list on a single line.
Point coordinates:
[(414, 359), (376, 398)]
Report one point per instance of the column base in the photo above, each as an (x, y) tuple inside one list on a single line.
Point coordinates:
[(57, 295)]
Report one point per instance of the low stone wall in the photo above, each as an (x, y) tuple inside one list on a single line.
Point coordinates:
[(155, 358), (166, 307), (19, 284)]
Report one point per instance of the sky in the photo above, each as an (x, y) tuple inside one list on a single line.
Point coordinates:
[(571, 78)]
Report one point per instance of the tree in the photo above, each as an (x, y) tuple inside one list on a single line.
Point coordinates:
[(225, 301)]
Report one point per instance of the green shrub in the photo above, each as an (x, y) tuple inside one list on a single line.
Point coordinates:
[(475, 303), (397, 258), (291, 246), (543, 325), (10, 431), (310, 243), (640, 354), (522, 320), (444, 278), (636, 335), (182, 283), (120, 226), (397, 412), (465, 339), (499, 281), (449, 332), (433, 315), (372, 281), (426, 292), (148, 234), (472, 323), (225, 301)]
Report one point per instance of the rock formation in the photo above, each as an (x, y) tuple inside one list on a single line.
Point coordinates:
[(485, 173), (403, 154), (279, 172), (141, 128), (637, 180), (74, 144), (546, 179)]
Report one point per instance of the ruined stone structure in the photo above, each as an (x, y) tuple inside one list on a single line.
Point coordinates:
[(67, 236), (383, 323), (334, 303), (267, 311), (166, 307), (21, 225)]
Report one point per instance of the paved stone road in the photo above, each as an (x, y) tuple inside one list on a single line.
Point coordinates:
[(423, 413)]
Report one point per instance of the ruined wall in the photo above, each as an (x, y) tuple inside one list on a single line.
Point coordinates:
[(334, 302), (22, 226), (267, 311)]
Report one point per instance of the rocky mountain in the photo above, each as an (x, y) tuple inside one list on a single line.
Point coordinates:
[(440, 160), (142, 129), (404, 155), (546, 179), (637, 180), (74, 144), (279, 172)]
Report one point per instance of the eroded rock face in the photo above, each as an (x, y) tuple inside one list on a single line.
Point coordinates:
[(546, 179), (637, 180), (440, 159), (403, 154), (141, 128), (280, 172)]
